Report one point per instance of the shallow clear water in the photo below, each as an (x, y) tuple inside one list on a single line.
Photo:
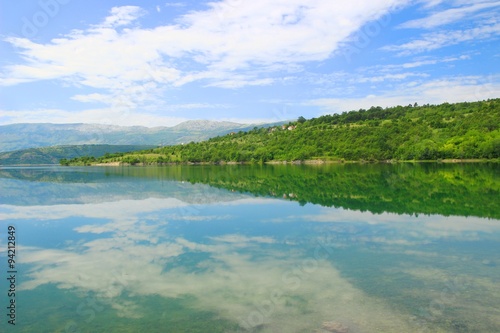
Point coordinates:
[(363, 248)]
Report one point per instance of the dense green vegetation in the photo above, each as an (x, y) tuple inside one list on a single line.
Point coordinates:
[(465, 189), (410, 188), (53, 155), (429, 132)]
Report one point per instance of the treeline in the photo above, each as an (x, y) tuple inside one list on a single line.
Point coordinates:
[(428, 132), (461, 189), (410, 188)]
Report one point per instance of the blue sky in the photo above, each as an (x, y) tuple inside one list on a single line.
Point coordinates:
[(156, 63)]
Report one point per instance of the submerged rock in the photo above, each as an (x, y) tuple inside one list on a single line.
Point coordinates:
[(488, 263), (334, 327)]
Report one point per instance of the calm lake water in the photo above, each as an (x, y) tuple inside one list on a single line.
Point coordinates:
[(339, 248)]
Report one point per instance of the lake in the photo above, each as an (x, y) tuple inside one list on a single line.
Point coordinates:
[(274, 248)]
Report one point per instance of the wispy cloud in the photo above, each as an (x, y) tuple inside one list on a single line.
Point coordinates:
[(400, 70), (393, 78), (464, 22), (122, 16), (226, 42), (260, 45), (435, 40), (425, 62), (241, 239), (449, 15), (138, 261), (114, 115), (175, 4), (431, 3), (451, 89)]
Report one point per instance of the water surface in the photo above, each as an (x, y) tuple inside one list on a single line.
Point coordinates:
[(368, 248)]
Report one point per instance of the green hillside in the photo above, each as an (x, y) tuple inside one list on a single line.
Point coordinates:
[(428, 132), (463, 189), (52, 155)]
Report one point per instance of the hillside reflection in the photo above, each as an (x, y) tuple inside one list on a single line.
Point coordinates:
[(242, 249), (445, 189)]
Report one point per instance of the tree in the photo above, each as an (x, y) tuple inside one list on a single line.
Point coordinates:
[(412, 132)]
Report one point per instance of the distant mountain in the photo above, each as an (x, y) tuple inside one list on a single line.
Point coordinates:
[(203, 125), (22, 136), (468, 130), (52, 155)]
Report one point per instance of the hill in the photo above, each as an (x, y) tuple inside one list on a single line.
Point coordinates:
[(52, 155), (428, 132), (22, 136)]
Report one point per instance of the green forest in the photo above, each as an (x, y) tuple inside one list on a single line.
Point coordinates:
[(460, 189), (468, 130)]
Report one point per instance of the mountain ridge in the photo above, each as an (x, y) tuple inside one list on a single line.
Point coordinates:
[(52, 155), (467, 130), (36, 135)]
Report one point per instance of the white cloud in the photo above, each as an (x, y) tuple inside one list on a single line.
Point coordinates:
[(121, 115), (431, 3), (435, 40), (467, 21), (435, 61), (453, 89), (92, 98), (227, 38), (189, 106), (394, 83), (392, 73), (449, 16), (238, 83), (241, 239), (405, 229), (175, 4), (123, 15), (136, 259), (389, 77), (231, 44), (233, 284), (123, 211)]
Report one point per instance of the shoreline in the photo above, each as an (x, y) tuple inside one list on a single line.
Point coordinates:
[(299, 162)]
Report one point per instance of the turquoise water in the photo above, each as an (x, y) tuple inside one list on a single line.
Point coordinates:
[(363, 248)]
